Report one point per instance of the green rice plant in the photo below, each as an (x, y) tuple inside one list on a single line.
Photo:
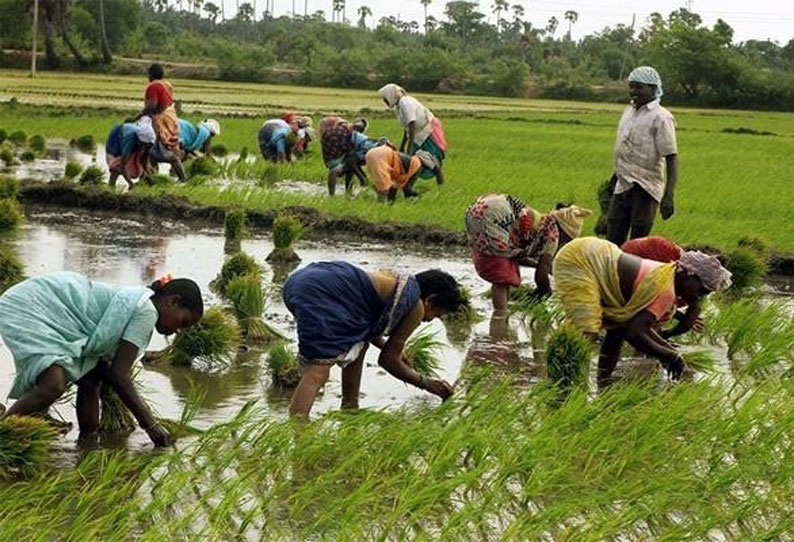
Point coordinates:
[(701, 361), (18, 138), (178, 429), (269, 175), (568, 356), (25, 444), (115, 416), (756, 244), (158, 179), (72, 170), (214, 340), (286, 230), (238, 265), (11, 269), (37, 143), (7, 156), (27, 156), (243, 155), (423, 352), (92, 176), (248, 304), (604, 196), (85, 143), (219, 150), (10, 214), (9, 187), (747, 269), (284, 370), (203, 166), (3, 135), (234, 224)]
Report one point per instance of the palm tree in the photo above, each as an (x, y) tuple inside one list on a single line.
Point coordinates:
[(161, 5), (551, 26), (425, 3), (107, 58), (498, 7), (212, 11), (363, 13), (571, 16), (518, 12)]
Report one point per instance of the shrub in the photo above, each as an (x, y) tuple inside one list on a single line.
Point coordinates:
[(248, 304), (18, 138), (25, 444), (747, 269), (283, 364), (568, 357), (203, 165), (423, 352), (85, 143), (10, 214), (92, 176), (7, 156), (234, 226), (9, 187), (11, 269), (239, 265), (37, 143), (215, 339), (286, 230), (27, 156), (72, 170)]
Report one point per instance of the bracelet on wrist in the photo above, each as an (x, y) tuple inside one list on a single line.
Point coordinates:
[(422, 384)]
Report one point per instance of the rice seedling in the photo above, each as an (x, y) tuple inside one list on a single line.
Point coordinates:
[(9, 187), (466, 312), (238, 265), (747, 269), (27, 156), (701, 361), (11, 269), (568, 356), (25, 444), (203, 166), (284, 370), (85, 143), (115, 417), (18, 138), (7, 156), (157, 179), (248, 305), (178, 429), (37, 143), (286, 230), (10, 214), (3, 135), (234, 224), (243, 156), (604, 196), (756, 244), (219, 150), (72, 170), (92, 176), (214, 340), (423, 352)]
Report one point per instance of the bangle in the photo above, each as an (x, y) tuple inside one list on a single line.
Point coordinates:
[(422, 384)]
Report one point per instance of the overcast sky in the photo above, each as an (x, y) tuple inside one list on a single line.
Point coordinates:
[(756, 19)]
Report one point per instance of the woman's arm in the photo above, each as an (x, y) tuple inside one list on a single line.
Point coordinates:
[(542, 272), (688, 320), (640, 334)]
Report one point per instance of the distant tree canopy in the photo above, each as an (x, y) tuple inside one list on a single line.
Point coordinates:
[(462, 52)]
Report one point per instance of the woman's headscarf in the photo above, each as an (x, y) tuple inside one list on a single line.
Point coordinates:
[(145, 131), (648, 76), (392, 94), (213, 126), (571, 219), (707, 268)]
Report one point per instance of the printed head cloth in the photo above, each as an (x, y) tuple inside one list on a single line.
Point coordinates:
[(571, 219), (428, 160), (707, 268), (648, 76), (392, 94)]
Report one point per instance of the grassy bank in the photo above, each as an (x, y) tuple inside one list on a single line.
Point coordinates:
[(731, 184)]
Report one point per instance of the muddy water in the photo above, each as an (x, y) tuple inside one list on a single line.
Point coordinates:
[(127, 250)]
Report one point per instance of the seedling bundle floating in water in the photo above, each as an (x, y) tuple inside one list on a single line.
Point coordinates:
[(248, 304), (283, 364), (286, 230), (239, 265), (234, 225), (214, 340)]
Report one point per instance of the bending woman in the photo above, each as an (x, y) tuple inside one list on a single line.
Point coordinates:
[(601, 286), (504, 233), (63, 328), (127, 150), (392, 170)]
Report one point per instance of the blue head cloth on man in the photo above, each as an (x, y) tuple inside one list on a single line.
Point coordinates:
[(648, 76)]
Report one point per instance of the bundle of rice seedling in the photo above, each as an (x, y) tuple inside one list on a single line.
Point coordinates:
[(37, 143), (25, 444), (157, 179), (466, 312), (756, 244), (701, 361), (239, 265), (269, 175), (3, 135), (92, 176), (423, 352), (28, 156), (747, 269), (283, 364), (11, 269), (219, 150), (215, 339), (286, 230), (248, 304), (115, 417), (10, 214), (85, 143), (7, 156), (18, 138), (605, 191), (9, 187), (234, 224), (243, 155), (568, 357), (72, 170), (203, 165)]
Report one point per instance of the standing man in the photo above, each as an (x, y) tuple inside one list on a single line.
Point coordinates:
[(644, 150)]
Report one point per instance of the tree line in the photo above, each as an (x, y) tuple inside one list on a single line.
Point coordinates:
[(460, 52)]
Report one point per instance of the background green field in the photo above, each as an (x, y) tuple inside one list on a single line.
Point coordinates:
[(542, 151)]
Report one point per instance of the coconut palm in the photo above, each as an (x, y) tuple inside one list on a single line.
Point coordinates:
[(425, 3), (571, 16), (498, 7), (551, 26), (363, 13), (212, 11)]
